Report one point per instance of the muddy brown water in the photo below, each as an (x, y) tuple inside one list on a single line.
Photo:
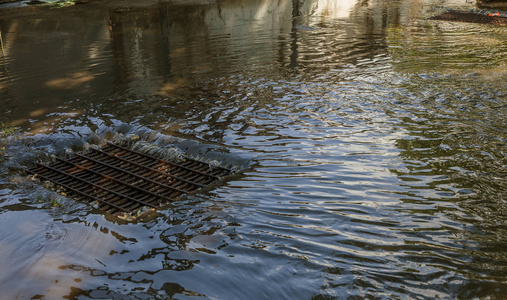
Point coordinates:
[(371, 143)]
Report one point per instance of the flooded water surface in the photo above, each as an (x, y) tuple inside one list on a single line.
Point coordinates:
[(371, 144)]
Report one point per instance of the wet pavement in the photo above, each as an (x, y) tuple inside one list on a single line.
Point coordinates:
[(371, 142)]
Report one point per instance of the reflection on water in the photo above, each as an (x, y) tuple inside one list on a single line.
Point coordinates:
[(373, 146)]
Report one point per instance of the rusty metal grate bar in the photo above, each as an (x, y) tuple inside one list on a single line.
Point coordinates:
[(122, 180), (472, 17)]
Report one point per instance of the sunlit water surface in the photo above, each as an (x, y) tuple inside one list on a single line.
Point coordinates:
[(371, 143)]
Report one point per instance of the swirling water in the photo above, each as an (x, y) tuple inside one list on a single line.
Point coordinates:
[(372, 144)]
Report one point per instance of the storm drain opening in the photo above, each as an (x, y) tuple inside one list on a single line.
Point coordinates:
[(494, 18), (123, 181)]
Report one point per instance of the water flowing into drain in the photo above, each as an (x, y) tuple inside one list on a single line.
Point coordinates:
[(126, 182)]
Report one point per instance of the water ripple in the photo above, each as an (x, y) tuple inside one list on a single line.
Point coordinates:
[(370, 148)]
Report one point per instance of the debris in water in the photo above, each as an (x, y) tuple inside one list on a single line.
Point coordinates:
[(472, 16)]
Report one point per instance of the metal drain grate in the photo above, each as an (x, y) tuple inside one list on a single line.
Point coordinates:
[(472, 17), (121, 180)]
